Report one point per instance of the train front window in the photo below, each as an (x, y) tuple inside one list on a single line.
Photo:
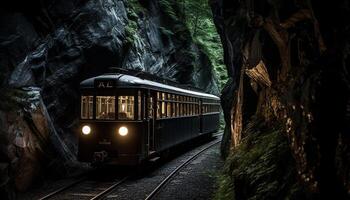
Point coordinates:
[(105, 107), (126, 107), (86, 109)]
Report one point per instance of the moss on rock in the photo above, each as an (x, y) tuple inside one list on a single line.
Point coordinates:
[(262, 167)]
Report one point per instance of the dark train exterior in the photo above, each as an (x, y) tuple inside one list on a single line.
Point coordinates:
[(126, 119)]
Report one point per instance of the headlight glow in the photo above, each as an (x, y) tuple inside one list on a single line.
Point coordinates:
[(86, 130), (123, 131)]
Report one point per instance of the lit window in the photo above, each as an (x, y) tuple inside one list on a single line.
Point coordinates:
[(159, 110), (139, 105), (173, 109), (105, 107), (86, 109), (126, 107), (177, 110), (150, 107), (163, 114), (168, 109)]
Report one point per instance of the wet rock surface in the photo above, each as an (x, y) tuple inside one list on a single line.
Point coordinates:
[(302, 85), (48, 47)]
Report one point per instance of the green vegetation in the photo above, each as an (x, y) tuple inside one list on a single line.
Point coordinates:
[(190, 21), (262, 167), (196, 17), (134, 8), (199, 20), (166, 31), (168, 7)]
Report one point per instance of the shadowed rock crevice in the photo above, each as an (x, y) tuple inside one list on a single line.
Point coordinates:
[(49, 47), (301, 83)]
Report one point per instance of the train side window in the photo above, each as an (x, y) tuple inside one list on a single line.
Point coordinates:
[(173, 109), (194, 109), (159, 109), (187, 109), (177, 109), (163, 108), (86, 107), (184, 106), (191, 110), (150, 106), (180, 106), (173, 105), (139, 105), (105, 107), (168, 109), (126, 107), (182, 109)]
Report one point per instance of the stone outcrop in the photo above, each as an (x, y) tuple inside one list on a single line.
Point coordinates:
[(48, 47), (304, 47)]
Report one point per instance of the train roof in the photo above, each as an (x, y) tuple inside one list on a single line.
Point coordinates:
[(128, 81)]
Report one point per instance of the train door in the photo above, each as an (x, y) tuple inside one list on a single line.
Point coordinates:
[(151, 121)]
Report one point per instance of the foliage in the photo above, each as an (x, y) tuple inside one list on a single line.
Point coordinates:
[(199, 20), (133, 10), (165, 31), (196, 17), (168, 7), (262, 167)]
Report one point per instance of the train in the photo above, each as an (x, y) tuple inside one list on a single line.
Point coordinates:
[(127, 119)]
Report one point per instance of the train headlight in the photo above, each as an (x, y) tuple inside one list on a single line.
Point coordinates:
[(86, 130), (123, 131)]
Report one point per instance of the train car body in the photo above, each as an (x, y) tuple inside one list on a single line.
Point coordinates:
[(126, 119)]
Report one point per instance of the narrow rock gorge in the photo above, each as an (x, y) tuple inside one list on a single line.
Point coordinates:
[(49, 46), (280, 66), (286, 103)]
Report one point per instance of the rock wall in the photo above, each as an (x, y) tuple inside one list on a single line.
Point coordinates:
[(288, 63), (49, 46)]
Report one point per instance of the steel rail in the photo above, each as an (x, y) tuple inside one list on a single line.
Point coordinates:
[(103, 193), (106, 191), (168, 178), (62, 189)]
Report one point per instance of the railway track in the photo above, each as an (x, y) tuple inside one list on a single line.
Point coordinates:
[(88, 189), (177, 169)]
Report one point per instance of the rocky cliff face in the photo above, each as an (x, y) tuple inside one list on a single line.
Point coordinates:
[(48, 47), (288, 63)]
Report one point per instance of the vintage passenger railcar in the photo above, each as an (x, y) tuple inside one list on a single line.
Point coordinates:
[(127, 119)]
